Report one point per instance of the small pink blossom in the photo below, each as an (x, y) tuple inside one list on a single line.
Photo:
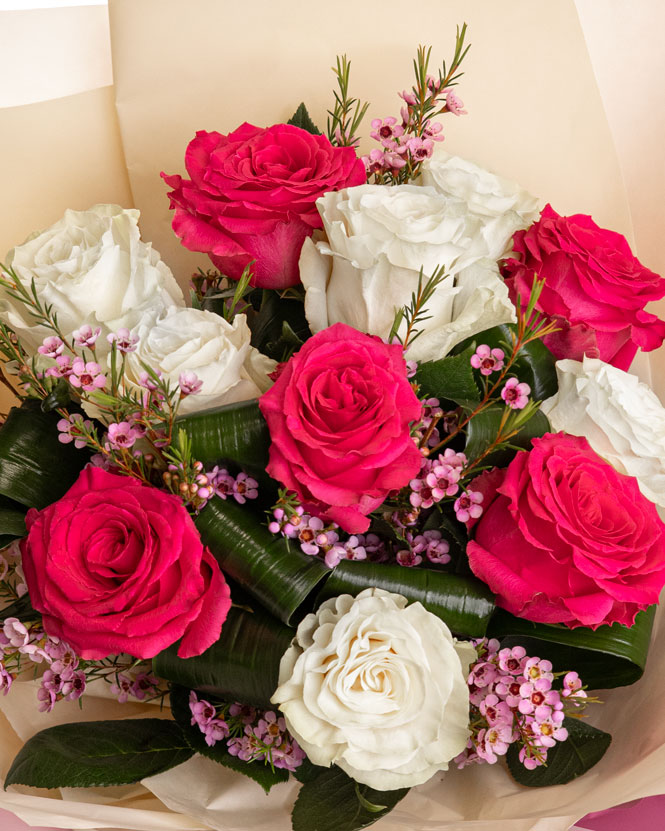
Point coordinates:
[(433, 130), (515, 395), (487, 360), (468, 506), (189, 383), (124, 340), (374, 161), (123, 435), (51, 347), (74, 423), (454, 104), (386, 130), (62, 368), (419, 148), (245, 488), (87, 376), (408, 558), (86, 336)]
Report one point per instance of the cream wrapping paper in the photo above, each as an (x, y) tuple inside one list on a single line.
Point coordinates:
[(535, 116)]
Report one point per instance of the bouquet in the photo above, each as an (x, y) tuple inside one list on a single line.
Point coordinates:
[(383, 499)]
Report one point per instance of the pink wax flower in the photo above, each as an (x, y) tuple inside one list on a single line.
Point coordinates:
[(595, 289), (51, 347), (189, 383), (569, 540), (252, 196), (86, 336), (124, 340), (467, 506), (515, 395), (487, 360), (340, 418), (87, 376), (123, 435), (115, 566), (454, 104)]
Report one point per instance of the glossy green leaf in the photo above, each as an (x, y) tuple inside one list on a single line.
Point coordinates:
[(279, 325), (12, 521), (243, 665), (236, 433), (609, 656), (483, 429), (88, 754), (35, 468), (449, 378), (535, 364), (300, 118), (584, 748), (279, 576), (258, 770), (464, 604), (335, 802)]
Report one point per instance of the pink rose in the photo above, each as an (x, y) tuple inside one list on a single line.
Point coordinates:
[(117, 566), (339, 417), (594, 288), (252, 196), (568, 539)]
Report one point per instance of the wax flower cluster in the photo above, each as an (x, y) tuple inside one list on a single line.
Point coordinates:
[(512, 701)]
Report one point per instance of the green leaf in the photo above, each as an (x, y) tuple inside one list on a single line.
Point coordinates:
[(88, 754), (300, 118), (35, 468), (331, 803), (12, 522), (483, 429), (449, 378), (269, 334), (280, 577), (464, 604), (235, 433), (243, 665), (535, 364), (258, 770), (609, 656), (585, 747)]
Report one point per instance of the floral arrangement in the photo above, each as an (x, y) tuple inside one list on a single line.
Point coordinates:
[(382, 499)]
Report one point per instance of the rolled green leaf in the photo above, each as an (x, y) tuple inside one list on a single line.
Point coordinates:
[(236, 433), (584, 748), (88, 754), (280, 577), (257, 770), (464, 604), (35, 468), (12, 521), (609, 656), (243, 665)]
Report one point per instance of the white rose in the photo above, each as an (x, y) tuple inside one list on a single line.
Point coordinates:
[(91, 267), (622, 419), (484, 193), (378, 239), (218, 352), (378, 688)]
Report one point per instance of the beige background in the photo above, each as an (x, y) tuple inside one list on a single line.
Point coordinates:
[(565, 98)]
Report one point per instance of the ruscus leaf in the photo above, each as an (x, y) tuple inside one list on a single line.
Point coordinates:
[(584, 748), (330, 803), (88, 754)]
